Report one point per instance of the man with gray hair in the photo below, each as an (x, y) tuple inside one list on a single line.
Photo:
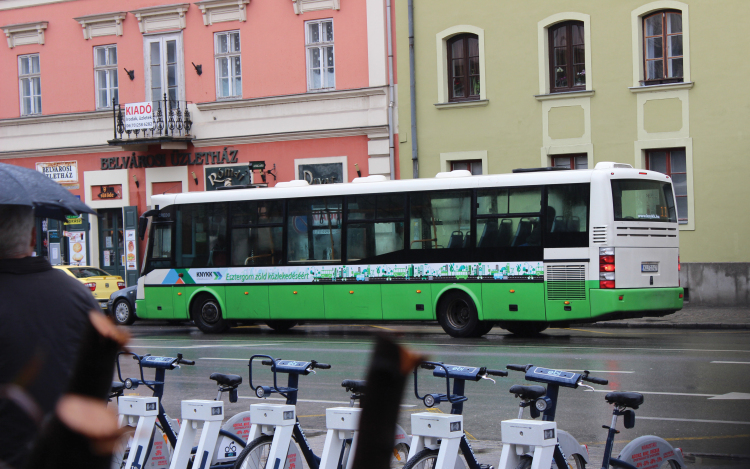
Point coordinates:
[(42, 316)]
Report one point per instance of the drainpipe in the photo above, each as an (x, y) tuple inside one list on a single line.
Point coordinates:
[(391, 97), (412, 95)]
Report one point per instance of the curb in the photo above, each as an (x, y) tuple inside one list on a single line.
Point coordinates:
[(669, 325)]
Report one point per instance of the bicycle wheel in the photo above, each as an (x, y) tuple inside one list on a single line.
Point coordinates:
[(425, 459), (122, 449), (574, 461), (400, 453), (255, 454)]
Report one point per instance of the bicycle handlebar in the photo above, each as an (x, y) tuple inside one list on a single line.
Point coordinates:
[(585, 377), (522, 368), (321, 366), (497, 373)]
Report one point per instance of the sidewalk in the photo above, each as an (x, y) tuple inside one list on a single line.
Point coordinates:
[(691, 317)]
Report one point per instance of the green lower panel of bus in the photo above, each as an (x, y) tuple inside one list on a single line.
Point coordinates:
[(247, 302), (296, 301), (513, 301), (605, 301)]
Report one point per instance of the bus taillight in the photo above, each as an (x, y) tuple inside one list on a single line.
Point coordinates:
[(606, 267)]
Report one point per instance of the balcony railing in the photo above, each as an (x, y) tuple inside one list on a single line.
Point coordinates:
[(172, 122)]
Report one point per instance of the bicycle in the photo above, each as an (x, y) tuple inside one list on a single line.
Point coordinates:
[(568, 452), (543, 401), (164, 435), (439, 441)]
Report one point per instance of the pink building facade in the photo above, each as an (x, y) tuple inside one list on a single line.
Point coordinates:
[(241, 92)]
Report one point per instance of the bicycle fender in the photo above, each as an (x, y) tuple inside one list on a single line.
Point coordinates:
[(402, 436), (648, 452), (569, 445), (227, 449)]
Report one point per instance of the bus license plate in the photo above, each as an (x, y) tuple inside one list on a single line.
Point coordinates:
[(649, 267)]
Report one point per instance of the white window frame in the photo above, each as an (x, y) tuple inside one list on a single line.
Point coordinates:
[(322, 46), (230, 55), (30, 76), (441, 46), (543, 53), (162, 39), (109, 69)]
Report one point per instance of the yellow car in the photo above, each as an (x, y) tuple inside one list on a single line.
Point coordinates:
[(101, 284)]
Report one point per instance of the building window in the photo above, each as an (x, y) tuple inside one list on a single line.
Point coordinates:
[(319, 45), (672, 163), (228, 65), (105, 71), (662, 43), (580, 161), (30, 84), (463, 67), (165, 72), (475, 166), (567, 57)]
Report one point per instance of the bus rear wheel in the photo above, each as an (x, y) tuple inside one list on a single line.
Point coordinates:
[(457, 314), (206, 313), (524, 328)]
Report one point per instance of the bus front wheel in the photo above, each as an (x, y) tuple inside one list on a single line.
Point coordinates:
[(206, 313), (457, 314)]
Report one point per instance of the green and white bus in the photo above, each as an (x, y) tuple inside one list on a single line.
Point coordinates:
[(522, 251)]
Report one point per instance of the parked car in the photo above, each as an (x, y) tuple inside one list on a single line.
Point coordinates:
[(101, 283), (121, 306)]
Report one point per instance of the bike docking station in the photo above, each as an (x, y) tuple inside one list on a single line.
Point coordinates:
[(342, 424), (140, 412), (427, 428), (519, 436), (277, 420), (194, 413)]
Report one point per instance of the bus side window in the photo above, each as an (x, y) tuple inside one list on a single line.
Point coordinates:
[(440, 219), (567, 215), (314, 229)]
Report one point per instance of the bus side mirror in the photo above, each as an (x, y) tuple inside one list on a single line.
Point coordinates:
[(142, 226)]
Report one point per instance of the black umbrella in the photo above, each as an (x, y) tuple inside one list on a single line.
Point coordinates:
[(23, 186)]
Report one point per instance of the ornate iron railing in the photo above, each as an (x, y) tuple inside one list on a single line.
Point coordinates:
[(171, 120)]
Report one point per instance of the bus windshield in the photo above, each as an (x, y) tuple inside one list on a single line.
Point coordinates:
[(643, 200)]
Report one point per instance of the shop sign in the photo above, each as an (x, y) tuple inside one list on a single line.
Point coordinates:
[(107, 192), (175, 159), (130, 249), (73, 220), (217, 176), (138, 116), (62, 172), (322, 173), (77, 245)]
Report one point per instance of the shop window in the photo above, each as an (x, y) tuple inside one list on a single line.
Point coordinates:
[(672, 162), (475, 166), (567, 57), (463, 67), (105, 71), (314, 230), (29, 77), (228, 65), (579, 161), (662, 47), (440, 220), (320, 64)]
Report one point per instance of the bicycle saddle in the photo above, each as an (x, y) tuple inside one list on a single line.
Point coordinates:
[(528, 392), (226, 380), (354, 385), (625, 399)]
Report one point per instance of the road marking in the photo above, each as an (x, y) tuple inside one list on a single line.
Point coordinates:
[(312, 400), (638, 417), (586, 330), (199, 346), (733, 396), (661, 393), (316, 415), (719, 437), (733, 363), (384, 328)]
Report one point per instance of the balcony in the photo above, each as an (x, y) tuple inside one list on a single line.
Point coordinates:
[(167, 124)]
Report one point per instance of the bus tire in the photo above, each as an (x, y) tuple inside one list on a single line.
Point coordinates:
[(457, 315), (281, 325), (206, 314), (483, 328), (525, 328)]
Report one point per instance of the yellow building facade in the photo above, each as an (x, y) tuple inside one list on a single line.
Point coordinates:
[(500, 85)]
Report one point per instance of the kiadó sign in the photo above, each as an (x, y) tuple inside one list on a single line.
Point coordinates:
[(176, 159)]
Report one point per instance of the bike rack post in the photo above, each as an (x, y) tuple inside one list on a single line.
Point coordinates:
[(277, 420), (342, 424), (518, 435), (211, 414), (427, 428), (143, 410)]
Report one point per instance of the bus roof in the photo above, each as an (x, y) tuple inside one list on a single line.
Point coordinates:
[(445, 181)]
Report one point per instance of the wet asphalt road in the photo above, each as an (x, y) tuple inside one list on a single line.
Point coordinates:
[(696, 382)]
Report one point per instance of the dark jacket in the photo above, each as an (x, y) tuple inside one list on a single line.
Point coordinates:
[(43, 313)]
